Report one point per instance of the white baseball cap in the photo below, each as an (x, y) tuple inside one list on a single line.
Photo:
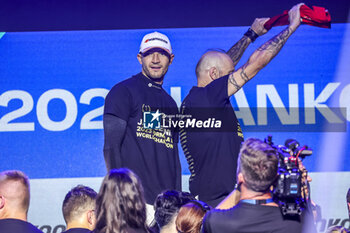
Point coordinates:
[(155, 40)]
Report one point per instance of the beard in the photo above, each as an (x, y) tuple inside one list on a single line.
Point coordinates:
[(160, 79), (155, 77)]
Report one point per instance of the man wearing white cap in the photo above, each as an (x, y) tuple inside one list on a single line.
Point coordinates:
[(131, 139), (155, 66)]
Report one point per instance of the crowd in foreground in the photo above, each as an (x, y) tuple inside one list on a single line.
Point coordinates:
[(120, 204)]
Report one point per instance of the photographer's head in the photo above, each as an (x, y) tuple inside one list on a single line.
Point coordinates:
[(257, 165)]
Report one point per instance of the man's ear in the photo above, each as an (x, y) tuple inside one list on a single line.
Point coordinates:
[(240, 178), (91, 218), (171, 58), (213, 73), (2, 201), (139, 58)]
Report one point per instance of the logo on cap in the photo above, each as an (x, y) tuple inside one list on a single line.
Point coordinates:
[(155, 38)]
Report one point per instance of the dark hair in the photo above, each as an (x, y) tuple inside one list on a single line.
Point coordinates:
[(18, 176), (168, 203), (258, 163), (190, 217), (120, 203), (78, 200)]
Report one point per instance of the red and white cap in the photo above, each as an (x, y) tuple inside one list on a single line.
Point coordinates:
[(155, 40)]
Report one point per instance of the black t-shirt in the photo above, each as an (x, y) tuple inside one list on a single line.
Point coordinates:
[(250, 218), (78, 230), (16, 225), (151, 153), (212, 156)]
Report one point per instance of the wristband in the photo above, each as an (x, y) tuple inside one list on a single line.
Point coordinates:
[(251, 34)]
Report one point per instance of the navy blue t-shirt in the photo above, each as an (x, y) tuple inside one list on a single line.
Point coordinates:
[(11, 225), (211, 155), (151, 153)]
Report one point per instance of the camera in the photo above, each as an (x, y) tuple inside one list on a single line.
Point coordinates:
[(289, 189)]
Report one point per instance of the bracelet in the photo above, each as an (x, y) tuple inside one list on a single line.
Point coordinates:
[(251, 34)]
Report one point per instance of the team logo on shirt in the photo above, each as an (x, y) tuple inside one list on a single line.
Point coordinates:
[(152, 120)]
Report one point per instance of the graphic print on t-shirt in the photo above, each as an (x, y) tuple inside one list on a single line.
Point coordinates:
[(157, 134)]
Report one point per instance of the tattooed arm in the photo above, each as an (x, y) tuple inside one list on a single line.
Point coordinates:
[(263, 55), (237, 50)]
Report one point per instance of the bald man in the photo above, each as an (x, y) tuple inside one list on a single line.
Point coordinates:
[(212, 153), (14, 203)]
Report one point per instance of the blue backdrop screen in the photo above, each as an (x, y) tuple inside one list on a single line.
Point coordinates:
[(53, 84)]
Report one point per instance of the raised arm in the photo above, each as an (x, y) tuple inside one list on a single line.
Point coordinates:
[(263, 55), (257, 29)]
